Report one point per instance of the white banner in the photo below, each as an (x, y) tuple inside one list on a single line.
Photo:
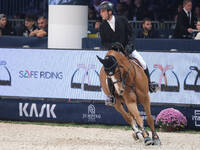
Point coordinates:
[(73, 74), (178, 74)]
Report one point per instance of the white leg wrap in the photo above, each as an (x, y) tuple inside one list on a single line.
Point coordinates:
[(137, 133), (135, 128), (136, 55)]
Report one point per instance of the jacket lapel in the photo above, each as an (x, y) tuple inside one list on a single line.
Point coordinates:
[(109, 28), (116, 24)]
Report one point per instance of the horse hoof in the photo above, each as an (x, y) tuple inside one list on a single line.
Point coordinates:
[(148, 141), (134, 136), (137, 136), (156, 142)]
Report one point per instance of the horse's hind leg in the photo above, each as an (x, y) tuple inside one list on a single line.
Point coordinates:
[(129, 119), (150, 120), (132, 107)]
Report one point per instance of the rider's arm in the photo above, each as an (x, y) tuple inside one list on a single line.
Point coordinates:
[(131, 37)]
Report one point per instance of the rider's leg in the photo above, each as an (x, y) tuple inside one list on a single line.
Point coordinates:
[(152, 86), (147, 74), (136, 55)]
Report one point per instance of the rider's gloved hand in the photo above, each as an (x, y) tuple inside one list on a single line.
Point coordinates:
[(117, 47), (129, 48)]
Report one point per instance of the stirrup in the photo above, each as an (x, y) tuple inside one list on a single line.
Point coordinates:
[(110, 101), (153, 87)]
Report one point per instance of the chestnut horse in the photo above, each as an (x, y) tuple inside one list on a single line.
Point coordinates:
[(131, 88)]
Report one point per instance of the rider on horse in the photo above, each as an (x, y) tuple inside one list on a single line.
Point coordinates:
[(117, 34)]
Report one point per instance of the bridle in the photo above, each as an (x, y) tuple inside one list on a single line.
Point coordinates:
[(121, 79)]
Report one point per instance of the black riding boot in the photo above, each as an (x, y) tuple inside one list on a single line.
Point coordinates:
[(153, 87)]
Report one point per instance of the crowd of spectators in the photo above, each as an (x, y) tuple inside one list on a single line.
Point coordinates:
[(134, 10), (31, 27), (155, 10), (137, 10)]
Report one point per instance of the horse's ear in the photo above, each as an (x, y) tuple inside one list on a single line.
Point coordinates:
[(100, 59)]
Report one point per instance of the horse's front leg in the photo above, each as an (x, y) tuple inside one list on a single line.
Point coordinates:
[(128, 118), (131, 103)]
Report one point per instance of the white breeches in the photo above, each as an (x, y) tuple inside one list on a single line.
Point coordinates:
[(136, 55)]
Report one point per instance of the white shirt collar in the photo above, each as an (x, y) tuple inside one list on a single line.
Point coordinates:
[(112, 23), (186, 11)]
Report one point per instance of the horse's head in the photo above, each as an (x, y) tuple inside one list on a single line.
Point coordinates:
[(114, 71)]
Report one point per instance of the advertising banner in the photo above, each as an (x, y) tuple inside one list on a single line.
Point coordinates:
[(178, 76), (43, 73), (89, 113), (74, 74)]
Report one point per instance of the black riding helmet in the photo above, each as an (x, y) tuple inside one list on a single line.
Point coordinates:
[(106, 5)]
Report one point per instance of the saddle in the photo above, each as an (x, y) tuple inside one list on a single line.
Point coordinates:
[(135, 61), (120, 48)]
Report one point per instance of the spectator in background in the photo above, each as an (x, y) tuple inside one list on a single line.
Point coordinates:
[(197, 12), (122, 9), (179, 9), (147, 31), (137, 11), (42, 30), (5, 29), (128, 2), (97, 24), (95, 4), (185, 21), (197, 37), (29, 26), (93, 27), (18, 23), (92, 13)]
